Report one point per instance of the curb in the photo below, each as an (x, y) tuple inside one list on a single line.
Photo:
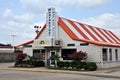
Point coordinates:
[(106, 75)]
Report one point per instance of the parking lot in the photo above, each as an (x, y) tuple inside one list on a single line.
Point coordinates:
[(6, 65)]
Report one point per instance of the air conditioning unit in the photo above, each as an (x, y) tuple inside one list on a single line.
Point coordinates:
[(57, 42)]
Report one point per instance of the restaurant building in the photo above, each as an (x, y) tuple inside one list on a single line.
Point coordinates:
[(64, 36), (7, 54)]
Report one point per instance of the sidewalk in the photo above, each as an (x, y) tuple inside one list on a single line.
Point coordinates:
[(99, 73)]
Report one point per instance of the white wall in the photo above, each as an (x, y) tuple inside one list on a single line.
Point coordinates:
[(113, 62), (119, 53), (63, 35), (43, 35), (28, 50)]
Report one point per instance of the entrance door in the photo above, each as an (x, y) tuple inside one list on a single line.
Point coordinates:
[(52, 62)]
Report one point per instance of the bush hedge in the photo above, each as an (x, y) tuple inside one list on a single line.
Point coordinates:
[(91, 66), (32, 63), (37, 63), (66, 64), (60, 64)]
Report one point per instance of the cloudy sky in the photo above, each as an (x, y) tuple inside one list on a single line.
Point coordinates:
[(18, 17)]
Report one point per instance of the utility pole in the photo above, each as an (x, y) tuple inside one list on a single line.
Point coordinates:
[(13, 37)]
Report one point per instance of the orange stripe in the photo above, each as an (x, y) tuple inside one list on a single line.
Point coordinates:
[(97, 33), (71, 22), (88, 32), (110, 36), (67, 30), (115, 36), (104, 35), (25, 43), (100, 43), (112, 45)]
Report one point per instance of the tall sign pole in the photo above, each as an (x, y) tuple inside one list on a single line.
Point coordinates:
[(51, 20), (52, 25)]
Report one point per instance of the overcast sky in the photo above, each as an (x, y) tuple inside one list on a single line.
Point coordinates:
[(18, 17)]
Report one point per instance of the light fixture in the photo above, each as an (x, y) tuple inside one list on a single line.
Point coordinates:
[(37, 29)]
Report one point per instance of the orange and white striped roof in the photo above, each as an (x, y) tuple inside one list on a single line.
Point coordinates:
[(83, 32), (86, 33)]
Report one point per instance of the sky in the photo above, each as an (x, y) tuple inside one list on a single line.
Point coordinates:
[(18, 17)]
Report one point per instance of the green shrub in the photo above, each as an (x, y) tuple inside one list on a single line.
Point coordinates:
[(91, 66), (37, 63), (67, 64), (83, 64), (17, 62), (60, 64), (42, 63), (27, 62), (73, 64), (78, 66)]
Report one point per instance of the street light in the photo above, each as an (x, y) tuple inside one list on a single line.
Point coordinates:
[(37, 29)]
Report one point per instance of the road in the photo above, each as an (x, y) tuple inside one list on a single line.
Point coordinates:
[(116, 72), (26, 75)]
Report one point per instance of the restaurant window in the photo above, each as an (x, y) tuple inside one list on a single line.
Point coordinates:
[(84, 44), (66, 53), (70, 44), (116, 54), (110, 54), (104, 53), (39, 54)]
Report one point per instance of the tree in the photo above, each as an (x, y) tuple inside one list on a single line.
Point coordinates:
[(19, 58), (55, 59), (28, 60), (5, 44), (78, 56)]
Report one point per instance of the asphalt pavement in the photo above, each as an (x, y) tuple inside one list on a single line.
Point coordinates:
[(108, 73), (25, 75)]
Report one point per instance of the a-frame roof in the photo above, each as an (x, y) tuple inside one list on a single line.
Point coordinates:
[(87, 33), (83, 32)]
